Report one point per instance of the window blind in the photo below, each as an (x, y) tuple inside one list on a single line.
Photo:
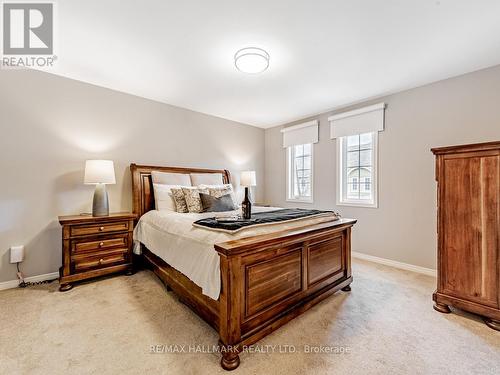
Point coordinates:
[(359, 121), (301, 134)]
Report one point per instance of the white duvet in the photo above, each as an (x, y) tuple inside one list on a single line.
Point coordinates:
[(190, 250)]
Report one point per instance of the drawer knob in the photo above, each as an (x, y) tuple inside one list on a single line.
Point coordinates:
[(101, 229), (101, 244), (101, 261)]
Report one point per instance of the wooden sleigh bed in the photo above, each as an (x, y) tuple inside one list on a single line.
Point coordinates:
[(267, 280)]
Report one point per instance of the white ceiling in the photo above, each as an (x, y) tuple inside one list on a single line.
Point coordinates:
[(324, 53)]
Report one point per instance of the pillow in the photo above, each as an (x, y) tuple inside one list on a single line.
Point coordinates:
[(220, 190), (166, 178), (163, 197), (193, 200), (213, 204), (179, 199), (206, 179)]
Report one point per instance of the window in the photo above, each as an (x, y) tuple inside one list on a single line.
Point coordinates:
[(357, 162), (356, 133), (300, 172), (298, 140)]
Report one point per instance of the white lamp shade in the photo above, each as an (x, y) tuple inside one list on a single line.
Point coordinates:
[(248, 178), (99, 172)]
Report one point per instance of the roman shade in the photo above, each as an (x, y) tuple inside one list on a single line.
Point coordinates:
[(301, 134), (364, 120)]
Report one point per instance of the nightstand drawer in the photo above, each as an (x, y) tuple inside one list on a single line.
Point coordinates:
[(85, 246), (99, 261), (85, 230)]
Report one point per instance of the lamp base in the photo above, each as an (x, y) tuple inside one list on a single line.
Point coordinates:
[(100, 204)]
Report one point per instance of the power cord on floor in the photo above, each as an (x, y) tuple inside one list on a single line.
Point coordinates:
[(24, 284)]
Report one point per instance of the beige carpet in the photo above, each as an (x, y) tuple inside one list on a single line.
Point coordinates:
[(386, 325)]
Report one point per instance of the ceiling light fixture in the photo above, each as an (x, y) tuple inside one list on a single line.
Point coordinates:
[(251, 60)]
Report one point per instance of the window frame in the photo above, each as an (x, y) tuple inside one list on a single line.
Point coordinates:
[(290, 181), (342, 185)]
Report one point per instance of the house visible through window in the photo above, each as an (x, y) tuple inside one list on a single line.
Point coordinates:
[(354, 183), (300, 172), (367, 184)]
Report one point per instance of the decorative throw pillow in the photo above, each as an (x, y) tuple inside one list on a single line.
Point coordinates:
[(220, 204), (193, 200), (179, 199), (220, 190)]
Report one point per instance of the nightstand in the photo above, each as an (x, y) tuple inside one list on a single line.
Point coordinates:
[(95, 246), (257, 204)]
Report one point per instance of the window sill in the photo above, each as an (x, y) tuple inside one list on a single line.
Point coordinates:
[(300, 200), (357, 204)]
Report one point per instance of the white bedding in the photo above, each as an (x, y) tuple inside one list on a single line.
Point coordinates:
[(190, 250)]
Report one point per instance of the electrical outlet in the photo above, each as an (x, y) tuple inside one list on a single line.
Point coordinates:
[(16, 254)]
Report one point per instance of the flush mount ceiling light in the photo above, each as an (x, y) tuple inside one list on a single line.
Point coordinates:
[(251, 60)]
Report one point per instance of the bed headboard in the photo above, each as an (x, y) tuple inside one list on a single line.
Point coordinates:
[(142, 185)]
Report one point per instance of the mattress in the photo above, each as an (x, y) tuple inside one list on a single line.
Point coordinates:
[(190, 250)]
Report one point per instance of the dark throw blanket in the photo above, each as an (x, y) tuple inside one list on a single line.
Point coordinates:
[(259, 218)]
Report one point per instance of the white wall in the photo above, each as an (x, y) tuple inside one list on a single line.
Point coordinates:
[(50, 125), (460, 110)]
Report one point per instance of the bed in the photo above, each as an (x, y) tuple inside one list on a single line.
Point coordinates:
[(251, 283)]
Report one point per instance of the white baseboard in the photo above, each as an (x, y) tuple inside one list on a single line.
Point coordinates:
[(33, 279), (395, 264)]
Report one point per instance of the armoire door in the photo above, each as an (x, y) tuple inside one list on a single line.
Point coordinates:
[(468, 226)]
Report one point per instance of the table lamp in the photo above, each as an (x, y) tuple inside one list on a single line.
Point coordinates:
[(99, 173), (247, 179)]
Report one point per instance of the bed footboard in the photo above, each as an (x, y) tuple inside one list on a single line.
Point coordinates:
[(268, 280)]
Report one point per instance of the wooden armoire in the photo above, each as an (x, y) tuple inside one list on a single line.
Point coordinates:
[(468, 179)]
